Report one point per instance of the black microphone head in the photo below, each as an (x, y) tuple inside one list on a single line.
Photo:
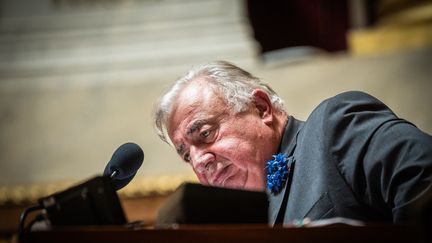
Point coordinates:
[(126, 161)]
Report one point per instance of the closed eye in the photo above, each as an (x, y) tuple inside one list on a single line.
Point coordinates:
[(186, 157)]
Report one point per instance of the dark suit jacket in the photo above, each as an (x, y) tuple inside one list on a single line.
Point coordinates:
[(353, 158)]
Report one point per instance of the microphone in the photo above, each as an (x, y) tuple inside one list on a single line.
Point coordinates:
[(124, 164)]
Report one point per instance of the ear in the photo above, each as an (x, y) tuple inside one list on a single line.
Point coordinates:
[(263, 105)]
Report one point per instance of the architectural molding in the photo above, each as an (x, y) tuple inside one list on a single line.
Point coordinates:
[(140, 187)]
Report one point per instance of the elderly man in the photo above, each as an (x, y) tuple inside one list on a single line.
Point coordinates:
[(351, 158)]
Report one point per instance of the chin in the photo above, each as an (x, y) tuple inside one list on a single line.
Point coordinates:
[(232, 185), (254, 186), (242, 186)]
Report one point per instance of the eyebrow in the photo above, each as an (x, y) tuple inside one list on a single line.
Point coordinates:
[(196, 125), (181, 149)]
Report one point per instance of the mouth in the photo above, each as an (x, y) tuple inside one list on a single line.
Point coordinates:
[(221, 176)]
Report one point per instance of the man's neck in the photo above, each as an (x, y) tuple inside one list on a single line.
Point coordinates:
[(281, 120)]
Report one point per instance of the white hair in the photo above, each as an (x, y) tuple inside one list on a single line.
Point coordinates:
[(232, 83)]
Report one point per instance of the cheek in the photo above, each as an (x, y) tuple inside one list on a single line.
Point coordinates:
[(201, 178), (242, 153)]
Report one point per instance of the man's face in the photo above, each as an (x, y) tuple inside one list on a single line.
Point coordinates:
[(224, 149)]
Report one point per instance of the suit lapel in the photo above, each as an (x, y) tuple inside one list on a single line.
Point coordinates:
[(287, 147)]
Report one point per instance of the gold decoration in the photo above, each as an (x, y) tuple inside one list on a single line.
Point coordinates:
[(140, 187)]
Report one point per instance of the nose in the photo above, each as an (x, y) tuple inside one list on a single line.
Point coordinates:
[(201, 159)]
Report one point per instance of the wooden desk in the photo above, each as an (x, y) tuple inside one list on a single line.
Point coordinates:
[(229, 233)]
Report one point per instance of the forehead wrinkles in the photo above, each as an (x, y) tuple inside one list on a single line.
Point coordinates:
[(197, 98)]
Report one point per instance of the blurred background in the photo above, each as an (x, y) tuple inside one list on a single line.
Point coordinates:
[(78, 78)]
